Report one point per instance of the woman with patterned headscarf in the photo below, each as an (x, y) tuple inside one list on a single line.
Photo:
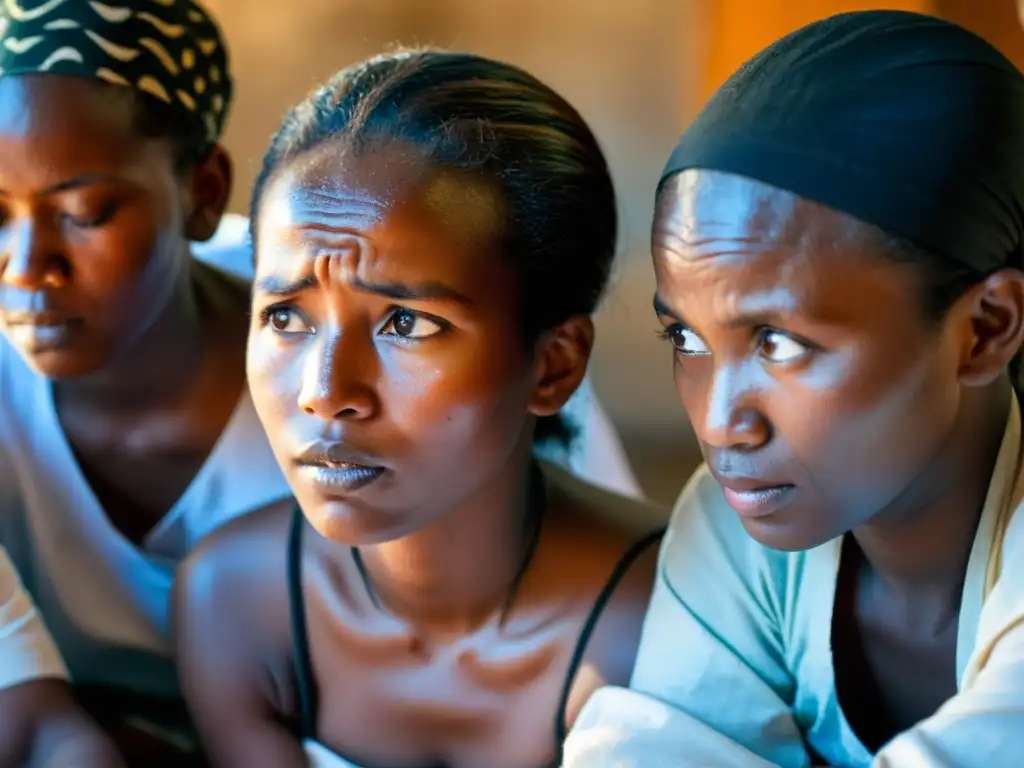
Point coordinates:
[(126, 430)]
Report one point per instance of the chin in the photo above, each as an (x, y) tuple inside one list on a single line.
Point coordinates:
[(786, 533), (60, 366), (354, 524)]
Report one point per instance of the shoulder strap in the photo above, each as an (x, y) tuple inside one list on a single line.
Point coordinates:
[(618, 573), (304, 682)]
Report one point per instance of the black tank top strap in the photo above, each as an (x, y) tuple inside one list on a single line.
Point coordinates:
[(304, 682), (618, 573)]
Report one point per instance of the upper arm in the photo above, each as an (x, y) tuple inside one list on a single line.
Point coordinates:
[(39, 722), (710, 684), (610, 651), (223, 609), (27, 652)]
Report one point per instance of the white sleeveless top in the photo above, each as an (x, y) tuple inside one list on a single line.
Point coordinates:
[(105, 600), (320, 756)]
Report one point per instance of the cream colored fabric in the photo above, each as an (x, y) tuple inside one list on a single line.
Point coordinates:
[(26, 650), (735, 664)]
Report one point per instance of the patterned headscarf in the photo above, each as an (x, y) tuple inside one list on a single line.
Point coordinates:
[(170, 50)]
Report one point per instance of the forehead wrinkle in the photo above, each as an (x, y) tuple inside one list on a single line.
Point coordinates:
[(707, 214), (342, 256)]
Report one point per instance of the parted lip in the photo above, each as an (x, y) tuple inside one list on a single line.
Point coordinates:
[(746, 484), (333, 453)]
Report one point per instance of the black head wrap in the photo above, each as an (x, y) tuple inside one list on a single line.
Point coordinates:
[(901, 120), (170, 50)]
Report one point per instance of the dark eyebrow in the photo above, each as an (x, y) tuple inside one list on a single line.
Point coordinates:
[(661, 308), (275, 286), (399, 291), (741, 320)]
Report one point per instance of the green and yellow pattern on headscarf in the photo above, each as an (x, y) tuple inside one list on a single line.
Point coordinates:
[(170, 50)]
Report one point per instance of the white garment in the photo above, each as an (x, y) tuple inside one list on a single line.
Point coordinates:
[(106, 601), (320, 756), (735, 662), (27, 652)]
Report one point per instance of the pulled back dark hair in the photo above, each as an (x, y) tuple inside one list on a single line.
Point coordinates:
[(474, 114)]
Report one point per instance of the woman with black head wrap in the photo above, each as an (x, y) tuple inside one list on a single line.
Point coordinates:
[(838, 245)]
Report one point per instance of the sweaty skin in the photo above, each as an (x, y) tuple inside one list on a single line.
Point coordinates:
[(385, 335), (98, 293), (95, 220), (826, 402)]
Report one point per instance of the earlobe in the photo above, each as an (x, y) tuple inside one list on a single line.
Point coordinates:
[(562, 355), (997, 321), (209, 191)]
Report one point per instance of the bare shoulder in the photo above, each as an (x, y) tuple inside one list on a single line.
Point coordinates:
[(604, 534), (235, 580), (610, 544)]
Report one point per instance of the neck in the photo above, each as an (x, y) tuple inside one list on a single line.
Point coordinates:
[(454, 574), (924, 541), (157, 367)]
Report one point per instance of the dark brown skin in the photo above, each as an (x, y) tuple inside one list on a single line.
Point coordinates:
[(42, 728), (94, 228), (805, 358), (440, 390)]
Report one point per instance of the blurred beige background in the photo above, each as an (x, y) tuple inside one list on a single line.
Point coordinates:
[(638, 70)]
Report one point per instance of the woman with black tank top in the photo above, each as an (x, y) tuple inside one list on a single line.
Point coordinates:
[(432, 233)]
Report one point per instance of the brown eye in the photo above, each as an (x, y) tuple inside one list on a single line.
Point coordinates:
[(280, 319), (686, 341), (778, 347), (404, 322), (407, 324), (285, 320)]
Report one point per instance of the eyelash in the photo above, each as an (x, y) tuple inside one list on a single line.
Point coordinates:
[(106, 214), (393, 312), (760, 332)]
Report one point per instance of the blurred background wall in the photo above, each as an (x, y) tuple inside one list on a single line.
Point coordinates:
[(638, 70)]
